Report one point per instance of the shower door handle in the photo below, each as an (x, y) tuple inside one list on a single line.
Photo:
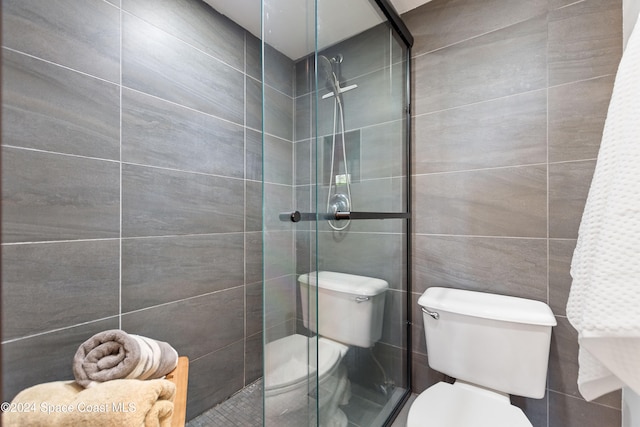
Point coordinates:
[(372, 215), (297, 216)]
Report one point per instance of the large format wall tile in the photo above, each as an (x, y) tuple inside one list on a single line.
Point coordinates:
[(585, 40), (535, 409), (214, 377), (253, 206), (382, 150), (42, 277), (46, 357), (154, 62), (516, 267), (253, 308), (279, 257), (563, 358), (563, 364), (304, 163), (504, 132), (363, 370), (195, 326), (161, 270), (159, 133), (560, 254), (577, 113), (497, 64), (57, 197), (253, 257), (278, 114), (305, 76), (275, 200), (568, 411), (305, 251), (278, 70), (444, 22), (418, 338), (359, 56), (253, 357), (82, 35), (394, 322), (422, 376), (279, 300), (493, 202), (253, 110), (253, 59), (162, 202), (379, 98), (196, 23), (557, 4), (304, 120), (188, 236), (568, 189), (278, 160), (51, 108), (253, 155), (364, 254)]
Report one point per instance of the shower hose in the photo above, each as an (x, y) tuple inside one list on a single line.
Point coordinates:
[(337, 108)]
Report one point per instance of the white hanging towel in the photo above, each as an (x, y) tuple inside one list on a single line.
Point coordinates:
[(604, 301)]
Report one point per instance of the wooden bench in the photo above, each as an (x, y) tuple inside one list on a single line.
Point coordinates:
[(180, 377)]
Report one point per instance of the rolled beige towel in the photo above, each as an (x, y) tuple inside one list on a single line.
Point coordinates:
[(117, 403), (115, 354)]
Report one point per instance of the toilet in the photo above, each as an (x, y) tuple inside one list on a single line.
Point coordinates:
[(494, 346), (351, 311)]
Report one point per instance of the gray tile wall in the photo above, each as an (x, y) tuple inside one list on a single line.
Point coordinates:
[(509, 104), (131, 170)]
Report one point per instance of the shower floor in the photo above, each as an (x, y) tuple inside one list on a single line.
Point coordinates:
[(244, 409)]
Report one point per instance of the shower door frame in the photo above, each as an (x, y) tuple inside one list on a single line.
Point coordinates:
[(402, 33)]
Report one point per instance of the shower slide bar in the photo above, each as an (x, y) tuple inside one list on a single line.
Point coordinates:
[(341, 90), (297, 216)]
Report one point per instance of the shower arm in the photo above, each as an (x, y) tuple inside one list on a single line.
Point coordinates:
[(297, 216)]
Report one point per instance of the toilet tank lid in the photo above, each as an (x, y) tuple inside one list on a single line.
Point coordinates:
[(347, 283), (488, 306)]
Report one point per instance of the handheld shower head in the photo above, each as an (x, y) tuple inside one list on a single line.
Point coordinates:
[(325, 70)]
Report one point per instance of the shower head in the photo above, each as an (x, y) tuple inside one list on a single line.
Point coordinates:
[(326, 71)]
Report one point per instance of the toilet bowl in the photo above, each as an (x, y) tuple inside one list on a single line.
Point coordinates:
[(462, 405), (291, 380), (493, 345)]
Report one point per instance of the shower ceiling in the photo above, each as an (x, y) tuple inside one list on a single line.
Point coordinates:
[(287, 21)]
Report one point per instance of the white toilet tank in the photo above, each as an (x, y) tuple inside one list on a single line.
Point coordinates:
[(495, 341), (350, 307)]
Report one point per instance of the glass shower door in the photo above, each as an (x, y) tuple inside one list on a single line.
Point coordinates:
[(336, 215), (362, 151), (290, 379)]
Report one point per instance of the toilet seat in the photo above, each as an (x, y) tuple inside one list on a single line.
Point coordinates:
[(288, 364), (452, 405)]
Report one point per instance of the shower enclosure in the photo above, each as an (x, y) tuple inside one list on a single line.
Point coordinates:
[(335, 199)]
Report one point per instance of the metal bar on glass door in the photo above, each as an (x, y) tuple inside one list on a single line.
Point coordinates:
[(297, 216)]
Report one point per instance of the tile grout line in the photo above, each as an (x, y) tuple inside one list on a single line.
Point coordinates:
[(498, 98), (547, 207), (121, 198), (244, 237), (491, 168)]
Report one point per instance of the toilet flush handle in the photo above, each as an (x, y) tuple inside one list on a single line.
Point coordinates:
[(431, 313), (362, 299)]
